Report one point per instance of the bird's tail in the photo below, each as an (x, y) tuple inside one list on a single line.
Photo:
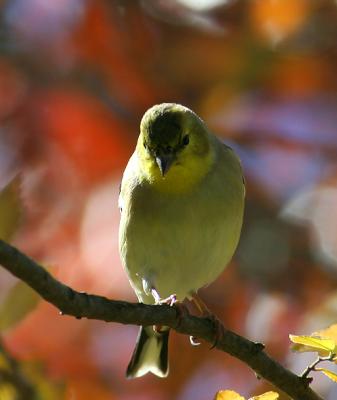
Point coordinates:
[(150, 354)]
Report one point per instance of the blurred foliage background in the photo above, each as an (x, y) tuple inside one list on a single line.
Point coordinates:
[(75, 78)]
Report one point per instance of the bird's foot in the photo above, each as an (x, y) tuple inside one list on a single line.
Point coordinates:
[(194, 341), (181, 308), (159, 328), (201, 306), (219, 329), (170, 301)]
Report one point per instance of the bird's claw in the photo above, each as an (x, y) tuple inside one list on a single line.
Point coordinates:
[(170, 301), (194, 341), (219, 329), (219, 332)]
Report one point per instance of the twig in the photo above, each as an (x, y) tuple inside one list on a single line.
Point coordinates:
[(312, 367), (82, 305)]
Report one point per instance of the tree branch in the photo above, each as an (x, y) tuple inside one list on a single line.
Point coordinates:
[(82, 305)]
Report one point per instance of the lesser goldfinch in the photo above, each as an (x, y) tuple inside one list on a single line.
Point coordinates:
[(182, 201)]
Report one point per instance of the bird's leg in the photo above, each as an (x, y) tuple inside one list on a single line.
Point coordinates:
[(203, 310), (201, 305), (157, 301), (180, 308), (155, 296), (206, 312), (171, 301)]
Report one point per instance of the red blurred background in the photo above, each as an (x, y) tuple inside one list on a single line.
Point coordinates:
[(75, 78)]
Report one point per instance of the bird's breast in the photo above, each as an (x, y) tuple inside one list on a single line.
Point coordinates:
[(180, 242)]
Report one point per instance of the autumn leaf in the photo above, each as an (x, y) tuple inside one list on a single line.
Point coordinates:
[(82, 389), (329, 333), (4, 365), (7, 392), (93, 138), (313, 343), (10, 209), (20, 300), (44, 388), (281, 18), (228, 395), (231, 395), (266, 396)]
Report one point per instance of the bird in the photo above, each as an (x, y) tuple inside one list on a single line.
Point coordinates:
[(182, 203)]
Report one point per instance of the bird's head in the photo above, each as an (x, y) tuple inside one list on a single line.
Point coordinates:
[(173, 143)]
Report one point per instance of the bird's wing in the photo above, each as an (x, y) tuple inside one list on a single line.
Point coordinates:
[(120, 200), (230, 149), (130, 174)]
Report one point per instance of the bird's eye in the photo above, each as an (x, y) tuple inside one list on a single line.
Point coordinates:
[(145, 146), (186, 140), (169, 149)]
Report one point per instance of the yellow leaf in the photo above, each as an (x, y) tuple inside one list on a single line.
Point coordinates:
[(227, 395), (10, 209), (266, 396), (329, 333), (20, 300), (45, 388), (4, 364), (329, 374), (314, 343), (7, 392)]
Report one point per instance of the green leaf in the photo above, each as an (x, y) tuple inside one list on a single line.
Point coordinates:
[(329, 374), (10, 209), (20, 300), (314, 343)]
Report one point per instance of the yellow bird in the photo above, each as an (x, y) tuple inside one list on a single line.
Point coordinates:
[(182, 202)]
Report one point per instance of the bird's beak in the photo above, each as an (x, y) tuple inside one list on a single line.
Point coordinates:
[(164, 163)]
